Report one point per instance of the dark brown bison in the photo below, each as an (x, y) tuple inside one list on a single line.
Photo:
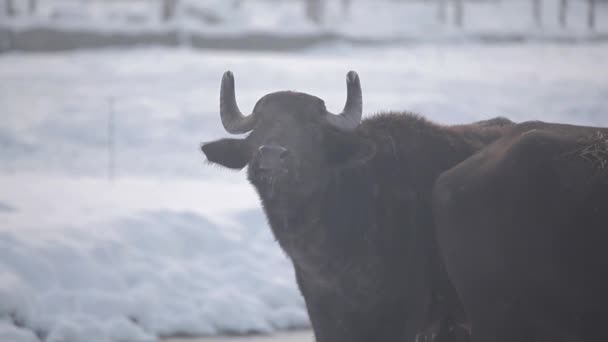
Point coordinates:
[(350, 202), (523, 229)]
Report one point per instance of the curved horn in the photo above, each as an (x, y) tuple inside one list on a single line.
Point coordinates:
[(350, 117), (234, 122)]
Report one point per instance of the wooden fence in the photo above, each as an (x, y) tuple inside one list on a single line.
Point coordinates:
[(536, 10), (314, 9)]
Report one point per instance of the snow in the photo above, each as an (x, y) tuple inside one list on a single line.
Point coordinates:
[(64, 99), (290, 336), (379, 19), (110, 262), (173, 246)]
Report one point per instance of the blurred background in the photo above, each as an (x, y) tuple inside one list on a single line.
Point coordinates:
[(112, 225)]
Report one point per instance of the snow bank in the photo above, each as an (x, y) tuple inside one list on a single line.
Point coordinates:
[(155, 272)]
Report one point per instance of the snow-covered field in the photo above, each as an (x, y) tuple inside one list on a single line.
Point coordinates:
[(174, 246), (367, 19)]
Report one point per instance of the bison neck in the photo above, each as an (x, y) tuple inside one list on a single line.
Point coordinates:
[(369, 230)]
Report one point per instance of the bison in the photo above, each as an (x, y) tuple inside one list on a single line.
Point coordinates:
[(522, 227), (350, 202)]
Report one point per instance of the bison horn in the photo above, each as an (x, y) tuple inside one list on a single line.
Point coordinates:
[(234, 122), (350, 117)]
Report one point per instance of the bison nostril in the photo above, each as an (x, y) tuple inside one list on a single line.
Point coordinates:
[(272, 157), (279, 151)]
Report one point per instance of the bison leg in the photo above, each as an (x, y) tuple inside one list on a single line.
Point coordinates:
[(452, 332), (338, 318), (593, 327), (329, 322), (501, 324)]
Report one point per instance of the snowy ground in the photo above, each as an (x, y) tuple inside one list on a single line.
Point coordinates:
[(174, 246), (299, 336), (377, 19)]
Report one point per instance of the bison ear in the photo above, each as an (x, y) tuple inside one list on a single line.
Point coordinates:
[(231, 153), (347, 149)]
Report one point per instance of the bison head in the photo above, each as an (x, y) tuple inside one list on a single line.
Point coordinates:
[(294, 144)]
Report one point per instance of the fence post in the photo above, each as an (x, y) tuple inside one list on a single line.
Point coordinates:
[(563, 13), (442, 11), (169, 7), (236, 4), (346, 6), (111, 141), (459, 13), (9, 8), (591, 14), (32, 6), (314, 10), (537, 11)]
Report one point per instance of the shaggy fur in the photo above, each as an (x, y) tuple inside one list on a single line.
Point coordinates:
[(522, 228), (352, 210), (363, 249)]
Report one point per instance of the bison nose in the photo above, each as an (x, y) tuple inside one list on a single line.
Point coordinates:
[(272, 157)]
